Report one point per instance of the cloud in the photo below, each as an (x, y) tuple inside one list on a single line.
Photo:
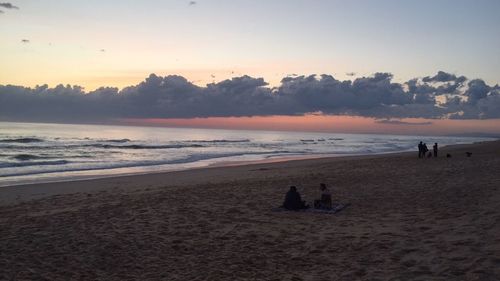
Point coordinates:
[(442, 96), (442, 76), (363, 96), (25, 41), (477, 91), (191, 3), (399, 122), (8, 6)]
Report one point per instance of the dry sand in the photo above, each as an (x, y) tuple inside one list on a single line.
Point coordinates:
[(410, 219)]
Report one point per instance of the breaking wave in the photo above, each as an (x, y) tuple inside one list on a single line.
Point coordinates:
[(21, 140)]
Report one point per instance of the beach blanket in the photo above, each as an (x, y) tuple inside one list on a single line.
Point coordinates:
[(335, 209)]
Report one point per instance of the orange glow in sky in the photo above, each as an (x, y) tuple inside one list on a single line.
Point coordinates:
[(334, 124)]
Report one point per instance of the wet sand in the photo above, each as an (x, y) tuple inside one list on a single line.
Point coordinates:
[(409, 219)]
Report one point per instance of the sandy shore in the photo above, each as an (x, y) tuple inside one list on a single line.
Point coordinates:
[(410, 219)]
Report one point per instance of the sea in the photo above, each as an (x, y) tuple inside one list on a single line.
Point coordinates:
[(36, 152)]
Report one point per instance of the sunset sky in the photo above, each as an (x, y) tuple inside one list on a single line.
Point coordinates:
[(120, 43)]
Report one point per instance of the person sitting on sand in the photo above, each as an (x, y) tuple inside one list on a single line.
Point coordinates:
[(293, 201), (326, 198)]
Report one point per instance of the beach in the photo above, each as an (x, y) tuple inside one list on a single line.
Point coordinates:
[(408, 219)]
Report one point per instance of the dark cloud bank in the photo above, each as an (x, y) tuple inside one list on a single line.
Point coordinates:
[(8, 6), (441, 96)]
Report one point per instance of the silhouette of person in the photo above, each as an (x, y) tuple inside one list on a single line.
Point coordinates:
[(435, 149), (293, 201), (326, 196), (420, 149), (424, 150)]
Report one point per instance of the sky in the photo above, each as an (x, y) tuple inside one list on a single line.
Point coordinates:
[(119, 44)]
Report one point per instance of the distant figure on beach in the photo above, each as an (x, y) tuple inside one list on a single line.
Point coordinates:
[(293, 201), (420, 149), (424, 150), (448, 155), (435, 149), (469, 154), (326, 198)]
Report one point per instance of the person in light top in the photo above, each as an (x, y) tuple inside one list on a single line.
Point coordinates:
[(326, 197)]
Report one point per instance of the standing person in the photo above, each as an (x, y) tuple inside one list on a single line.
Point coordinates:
[(424, 150), (420, 149), (435, 149)]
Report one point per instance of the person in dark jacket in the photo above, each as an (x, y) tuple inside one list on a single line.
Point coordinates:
[(293, 201), (424, 150)]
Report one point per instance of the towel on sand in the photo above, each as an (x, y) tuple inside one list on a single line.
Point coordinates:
[(335, 209)]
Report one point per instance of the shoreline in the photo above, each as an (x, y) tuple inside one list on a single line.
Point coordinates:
[(13, 194), (159, 170), (86, 175)]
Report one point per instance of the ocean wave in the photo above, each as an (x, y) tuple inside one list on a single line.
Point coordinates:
[(219, 141), (117, 140), (105, 140), (398, 145), (101, 146), (21, 140), (36, 163), (143, 146), (108, 166), (26, 157)]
